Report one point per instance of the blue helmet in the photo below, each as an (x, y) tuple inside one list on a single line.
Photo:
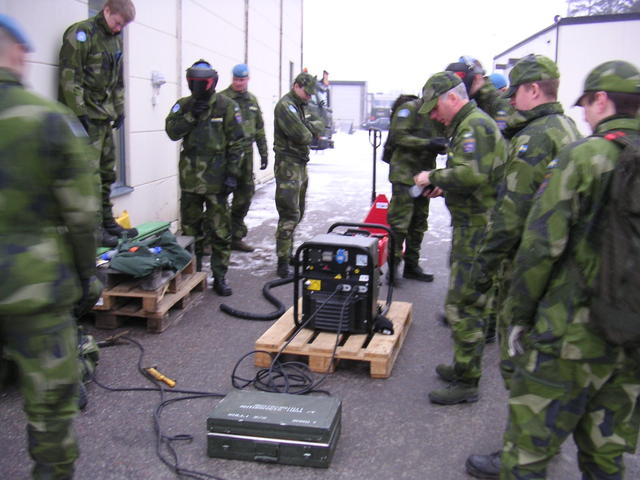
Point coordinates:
[(18, 34), (241, 71), (498, 80)]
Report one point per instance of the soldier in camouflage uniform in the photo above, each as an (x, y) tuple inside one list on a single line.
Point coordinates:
[(91, 85), (48, 220), (253, 132), (415, 144), (469, 181), (293, 132), (568, 379), (536, 133), (486, 95), (210, 127)]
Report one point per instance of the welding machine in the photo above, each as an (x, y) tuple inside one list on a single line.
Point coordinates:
[(340, 277)]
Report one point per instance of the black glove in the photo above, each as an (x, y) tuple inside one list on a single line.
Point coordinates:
[(230, 184), (438, 145), (264, 161), (199, 107), (84, 120), (117, 123)]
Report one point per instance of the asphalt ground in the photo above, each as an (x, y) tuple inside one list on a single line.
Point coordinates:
[(389, 428)]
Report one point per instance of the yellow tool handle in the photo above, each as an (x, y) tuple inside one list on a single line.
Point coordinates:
[(160, 377)]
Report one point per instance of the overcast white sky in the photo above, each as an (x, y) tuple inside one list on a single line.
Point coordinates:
[(395, 45)]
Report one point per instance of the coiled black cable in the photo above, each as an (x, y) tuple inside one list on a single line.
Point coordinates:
[(267, 294)]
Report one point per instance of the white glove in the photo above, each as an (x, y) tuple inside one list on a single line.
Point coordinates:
[(514, 343)]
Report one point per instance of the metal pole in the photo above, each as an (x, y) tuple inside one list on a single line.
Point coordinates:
[(375, 139)]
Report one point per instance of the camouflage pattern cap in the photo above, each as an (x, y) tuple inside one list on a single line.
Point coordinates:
[(13, 28), (531, 68), (307, 82), (614, 76), (437, 85)]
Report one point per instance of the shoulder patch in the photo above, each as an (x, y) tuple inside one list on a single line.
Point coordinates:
[(81, 36), (238, 116), (404, 113), (469, 145), (175, 108), (293, 109), (545, 181), (523, 148)]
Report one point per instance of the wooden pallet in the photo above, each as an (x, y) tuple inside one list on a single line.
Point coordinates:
[(127, 299), (379, 350)]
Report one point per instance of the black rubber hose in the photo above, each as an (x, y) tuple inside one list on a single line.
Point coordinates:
[(267, 294)]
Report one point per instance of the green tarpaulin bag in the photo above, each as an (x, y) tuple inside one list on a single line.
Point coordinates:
[(140, 258)]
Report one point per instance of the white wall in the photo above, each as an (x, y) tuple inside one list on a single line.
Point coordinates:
[(167, 36), (581, 47)]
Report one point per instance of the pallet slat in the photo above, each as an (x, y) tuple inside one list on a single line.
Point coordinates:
[(381, 351), (158, 319)]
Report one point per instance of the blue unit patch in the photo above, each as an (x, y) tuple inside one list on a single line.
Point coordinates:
[(469, 145), (238, 116), (523, 148), (81, 36), (175, 108), (404, 113), (293, 109)]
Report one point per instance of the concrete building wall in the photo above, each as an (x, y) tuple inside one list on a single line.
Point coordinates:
[(166, 37)]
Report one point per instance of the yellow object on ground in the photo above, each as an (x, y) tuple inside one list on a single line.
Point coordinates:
[(123, 220)]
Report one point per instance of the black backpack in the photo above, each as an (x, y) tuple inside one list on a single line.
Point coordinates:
[(615, 297)]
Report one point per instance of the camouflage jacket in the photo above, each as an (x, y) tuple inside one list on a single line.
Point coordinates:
[(212, 144), (491, 101), (409, 134), (293, 127), (476, 155), (557, 248), (90, 73), (536, 138), (49, 203), (252, 121)]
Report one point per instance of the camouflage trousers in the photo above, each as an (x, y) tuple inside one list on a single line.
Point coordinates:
[(101, 142), (242, 196), (468, 331), (291, 191), (407, 218), (552, 398), (206, 218), (44, 348)]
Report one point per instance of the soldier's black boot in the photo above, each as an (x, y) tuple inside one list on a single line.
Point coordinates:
[(456, 392), (283, 267), (241, 246), (112, 227), (415, 272), (484, 466), (446, 372), (221, 287), (106, 239)]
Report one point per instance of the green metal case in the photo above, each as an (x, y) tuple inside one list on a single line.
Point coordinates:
[(275, 428)]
